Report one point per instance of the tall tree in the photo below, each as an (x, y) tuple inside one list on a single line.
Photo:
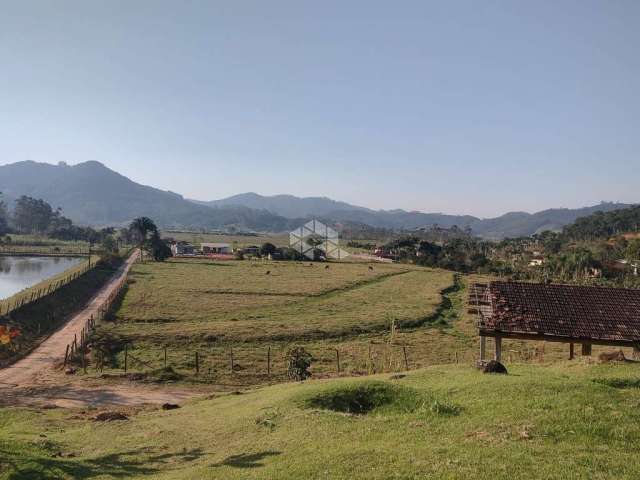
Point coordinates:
[(4, 216), (31, 215), (140, 229)]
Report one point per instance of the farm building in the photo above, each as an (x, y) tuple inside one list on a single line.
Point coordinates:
[(216, 248), (556, 313), (182, 248)]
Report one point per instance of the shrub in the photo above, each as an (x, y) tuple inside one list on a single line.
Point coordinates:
[(299, 361)]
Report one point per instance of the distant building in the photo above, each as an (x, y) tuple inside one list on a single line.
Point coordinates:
[(216, 248), (182, 248)]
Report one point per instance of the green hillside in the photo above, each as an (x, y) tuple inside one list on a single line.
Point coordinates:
[(570, 420)]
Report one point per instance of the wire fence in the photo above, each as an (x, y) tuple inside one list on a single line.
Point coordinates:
[(77, 348), (246, 365)]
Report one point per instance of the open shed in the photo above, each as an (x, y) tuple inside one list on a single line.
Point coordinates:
[(571, 314)]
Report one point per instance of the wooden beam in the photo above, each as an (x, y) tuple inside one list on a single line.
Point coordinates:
[(571, 353), (551, 338)]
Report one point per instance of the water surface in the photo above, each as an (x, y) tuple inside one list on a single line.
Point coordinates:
[(18, 273)]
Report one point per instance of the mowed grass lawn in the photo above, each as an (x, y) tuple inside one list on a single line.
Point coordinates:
[(212, 307), (569, 420)]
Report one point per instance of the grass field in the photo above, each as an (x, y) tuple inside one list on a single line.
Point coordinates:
[(569, 420), (190, 305), (241, 321)]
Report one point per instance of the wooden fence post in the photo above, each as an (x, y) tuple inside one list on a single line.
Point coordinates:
[(232, 360), (338, 359), (406, 361), (66, 356)]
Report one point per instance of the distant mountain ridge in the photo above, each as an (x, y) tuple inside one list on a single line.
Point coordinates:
[(287, 205), (512, 224), (91, 194)]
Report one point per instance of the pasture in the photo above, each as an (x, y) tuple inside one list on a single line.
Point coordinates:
[(372, 314), (569, 420)]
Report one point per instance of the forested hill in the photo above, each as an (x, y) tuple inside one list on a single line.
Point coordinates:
[(91, 194), (605, 224)]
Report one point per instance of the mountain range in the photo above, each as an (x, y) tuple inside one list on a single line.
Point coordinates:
[(91, 194)]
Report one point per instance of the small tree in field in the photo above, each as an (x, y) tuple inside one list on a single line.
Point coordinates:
[(299, 363)]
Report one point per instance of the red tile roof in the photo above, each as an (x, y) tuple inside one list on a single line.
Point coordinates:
[(596, 313)]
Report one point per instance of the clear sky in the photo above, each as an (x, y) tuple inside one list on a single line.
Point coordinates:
[(477, 107)]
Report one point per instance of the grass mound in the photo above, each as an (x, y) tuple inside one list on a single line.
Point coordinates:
[(363, 398)]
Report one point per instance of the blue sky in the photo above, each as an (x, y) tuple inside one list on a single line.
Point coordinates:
[(476, 107)]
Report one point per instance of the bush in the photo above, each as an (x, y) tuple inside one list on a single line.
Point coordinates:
[(299, 361), (366, 397)]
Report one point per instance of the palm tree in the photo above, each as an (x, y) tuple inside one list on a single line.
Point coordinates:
[(140, 228)]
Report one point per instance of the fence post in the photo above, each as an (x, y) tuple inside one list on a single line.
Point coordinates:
[(66, 356), (232, 360), (338, 359), (406, 362)]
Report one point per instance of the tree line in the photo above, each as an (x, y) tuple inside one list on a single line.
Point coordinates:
[(35, 216)]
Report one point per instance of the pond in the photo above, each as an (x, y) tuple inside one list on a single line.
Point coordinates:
[(18, 273)]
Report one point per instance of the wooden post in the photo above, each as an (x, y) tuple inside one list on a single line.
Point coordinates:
[(406, 361), (232, 360), (498, 354), (126, 357), (571, 351), (586, 349), (483, 347), (66, 356), (338, 359), (456, 357), (269, 361)]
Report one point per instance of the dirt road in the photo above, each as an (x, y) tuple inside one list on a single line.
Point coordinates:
[(34, 380)]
